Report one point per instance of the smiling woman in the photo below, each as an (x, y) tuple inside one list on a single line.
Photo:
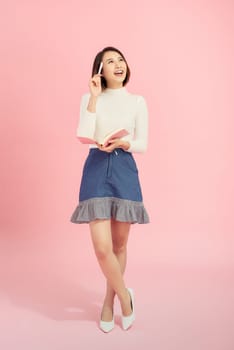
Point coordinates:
[(110, 198)]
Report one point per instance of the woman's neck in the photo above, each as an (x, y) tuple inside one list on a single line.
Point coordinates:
[(114, 85)]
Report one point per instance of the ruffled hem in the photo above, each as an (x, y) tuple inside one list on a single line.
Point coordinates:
[(109, 207)]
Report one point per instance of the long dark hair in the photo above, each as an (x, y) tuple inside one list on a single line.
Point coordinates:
[(98, 60)]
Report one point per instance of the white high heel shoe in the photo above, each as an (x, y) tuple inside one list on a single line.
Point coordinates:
[(127, 321), (107, 326)]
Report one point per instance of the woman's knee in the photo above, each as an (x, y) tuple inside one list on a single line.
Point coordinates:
[(102, 251), (119, 248)]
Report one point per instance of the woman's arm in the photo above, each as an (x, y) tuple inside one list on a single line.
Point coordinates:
[(140, 141), (87, 120)]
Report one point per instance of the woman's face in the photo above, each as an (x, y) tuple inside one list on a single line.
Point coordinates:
[(114, 69)]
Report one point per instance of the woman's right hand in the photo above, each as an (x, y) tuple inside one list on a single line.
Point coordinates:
[(95, 85)]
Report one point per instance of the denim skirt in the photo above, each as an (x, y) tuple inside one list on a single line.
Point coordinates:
[(110, 188)]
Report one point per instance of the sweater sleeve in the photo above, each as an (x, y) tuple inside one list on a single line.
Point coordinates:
[(87, 121), (140, 141)]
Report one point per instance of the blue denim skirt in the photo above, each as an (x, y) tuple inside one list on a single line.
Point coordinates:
[(110, 188)]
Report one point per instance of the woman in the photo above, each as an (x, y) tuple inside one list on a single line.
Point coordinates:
[(110, 198)]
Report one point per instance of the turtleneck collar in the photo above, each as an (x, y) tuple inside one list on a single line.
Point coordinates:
[(119, 91)]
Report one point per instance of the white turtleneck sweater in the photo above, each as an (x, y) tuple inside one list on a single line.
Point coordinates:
[(115, 109)]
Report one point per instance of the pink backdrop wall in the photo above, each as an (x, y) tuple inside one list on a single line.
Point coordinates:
[(181, 56)]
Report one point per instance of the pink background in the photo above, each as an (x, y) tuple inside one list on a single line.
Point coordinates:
[(181, 265)]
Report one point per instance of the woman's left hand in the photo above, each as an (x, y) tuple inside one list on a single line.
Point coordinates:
[(113, 144)]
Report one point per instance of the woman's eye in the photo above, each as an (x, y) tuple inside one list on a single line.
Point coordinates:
[(121, 59), (111, 61)]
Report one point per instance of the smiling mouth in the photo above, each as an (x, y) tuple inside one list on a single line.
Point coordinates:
[(119, 72)]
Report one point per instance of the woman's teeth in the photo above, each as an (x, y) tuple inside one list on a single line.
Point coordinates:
[(119, 72)]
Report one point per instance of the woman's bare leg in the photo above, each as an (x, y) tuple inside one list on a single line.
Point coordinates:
[(103, 246), (120, 233)]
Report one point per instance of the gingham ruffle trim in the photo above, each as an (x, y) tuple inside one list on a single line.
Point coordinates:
[(110, 207)]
